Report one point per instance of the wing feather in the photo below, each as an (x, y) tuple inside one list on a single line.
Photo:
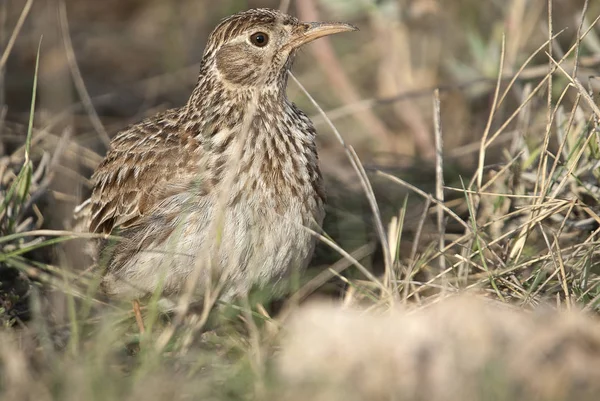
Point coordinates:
[(132, 179)]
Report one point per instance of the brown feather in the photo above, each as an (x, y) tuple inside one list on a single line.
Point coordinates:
[(226, 181)]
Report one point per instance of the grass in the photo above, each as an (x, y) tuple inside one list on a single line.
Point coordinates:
[(505, 208)]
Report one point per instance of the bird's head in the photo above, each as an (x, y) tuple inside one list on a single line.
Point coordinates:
[(256, 47)]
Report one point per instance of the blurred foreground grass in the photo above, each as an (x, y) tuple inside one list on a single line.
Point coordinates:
[(516, 222)]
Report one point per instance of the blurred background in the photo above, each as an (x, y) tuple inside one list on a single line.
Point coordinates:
[(104, 65), (132, 58)]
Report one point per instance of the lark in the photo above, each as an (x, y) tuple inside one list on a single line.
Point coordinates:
[(227, 186)]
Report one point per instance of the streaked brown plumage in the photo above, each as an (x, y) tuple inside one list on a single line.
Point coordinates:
[(223, 184)]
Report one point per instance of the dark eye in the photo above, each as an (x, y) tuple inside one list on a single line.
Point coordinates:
[(259, 39)]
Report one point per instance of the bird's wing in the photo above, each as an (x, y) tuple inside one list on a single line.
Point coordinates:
[(143, 161)]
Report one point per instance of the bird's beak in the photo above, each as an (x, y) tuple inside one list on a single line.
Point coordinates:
[(309, 31)]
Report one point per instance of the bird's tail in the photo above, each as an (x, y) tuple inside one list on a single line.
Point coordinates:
[(80, 223), (81, 217)]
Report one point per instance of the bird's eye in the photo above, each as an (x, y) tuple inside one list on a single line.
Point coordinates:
[(259, 39)]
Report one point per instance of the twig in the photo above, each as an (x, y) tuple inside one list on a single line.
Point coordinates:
[(78, 79), (361, 174), (15, 33), (3, 33), (327, 60), (526, 75), (323, 277), (578, 42), (439, 174), (419, 230), (486, 132), (425, 195), (43, 187)]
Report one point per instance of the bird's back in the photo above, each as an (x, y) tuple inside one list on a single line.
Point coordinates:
[(144, 162)]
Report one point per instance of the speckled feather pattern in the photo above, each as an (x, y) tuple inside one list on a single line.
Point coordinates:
[(225, 184)]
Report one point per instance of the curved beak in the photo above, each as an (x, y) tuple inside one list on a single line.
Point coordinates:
[(309, 31)]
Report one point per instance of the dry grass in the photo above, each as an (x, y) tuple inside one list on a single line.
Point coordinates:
[(488, 186)]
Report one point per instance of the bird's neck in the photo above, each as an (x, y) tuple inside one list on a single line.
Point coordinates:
[(260, 132), (216, 105)]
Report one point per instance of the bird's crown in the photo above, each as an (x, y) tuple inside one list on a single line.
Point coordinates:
[(256, 47)]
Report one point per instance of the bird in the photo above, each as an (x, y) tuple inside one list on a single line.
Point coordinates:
[(226, 188)]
